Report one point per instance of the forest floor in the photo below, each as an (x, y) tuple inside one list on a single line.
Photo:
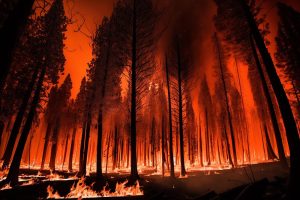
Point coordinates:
[(270, 183)]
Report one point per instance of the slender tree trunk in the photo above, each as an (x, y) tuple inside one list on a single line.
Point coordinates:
[(227, 104), (271, 154), (180, 107), (18, 121), (72, 149), (134, 172), (10, 33), (227, 143), (47, 136), (200, 143), (65, 152), (271, 108), (172, 173), (13, 173), (82, 172), (207, 138), (283, 102), (54, 145), (115, 151), (82, 143), (107, 152), (153, 142), (163, 146)]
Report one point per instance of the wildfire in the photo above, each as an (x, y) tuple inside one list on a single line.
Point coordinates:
[(82, 190)]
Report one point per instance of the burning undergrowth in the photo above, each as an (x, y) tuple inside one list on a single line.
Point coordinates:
[(83, 190)]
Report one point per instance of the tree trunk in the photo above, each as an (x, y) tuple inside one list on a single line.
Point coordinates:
[(172, 173), (65, 152), (134, 172), (227, 142), (283, 102), (47, 136), (271, 154), (13, 173), (10, 33), (227, 104), (82, 172), (72, 150), (163, 146), (54, 145), (82, 145), (1, 131), (180, 107), (18, 121), (207, 150), (200, 143), (115, 151), (271, 108)]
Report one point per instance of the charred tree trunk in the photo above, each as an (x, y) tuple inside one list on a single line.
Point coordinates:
[(72, 149), (271, 154), (47, 136), (83, 138), (10, 33), (65, 152), (200, 143), (13, 173), (18, 121), (54, 145), (82, 172), (227, 143), (163, 146), (172, 173), (227, 104), (180, 107), (271, 108), (283, 102), (153, 142), (133, 172), (115, 151), (207, 150)]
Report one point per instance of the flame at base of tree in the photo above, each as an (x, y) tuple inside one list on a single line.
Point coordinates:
[(82, 190)]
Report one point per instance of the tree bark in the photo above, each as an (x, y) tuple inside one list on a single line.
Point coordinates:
[(133, 172), (183, 172), (18, 121), (72, 149), (47, 136), (283, 102), (54, 145), (227, 104), (172, 173), (271, 108), (13, 173)]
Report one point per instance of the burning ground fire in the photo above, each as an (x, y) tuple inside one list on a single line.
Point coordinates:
[(82, 190)]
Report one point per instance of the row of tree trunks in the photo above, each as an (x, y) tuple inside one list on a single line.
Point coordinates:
[(283, 102)]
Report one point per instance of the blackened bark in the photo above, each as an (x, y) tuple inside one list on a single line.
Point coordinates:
[(65, 152), (271, 154), (18, 121), (1, 130), (133, 173), (180, 107), (82, 172), (271, 108), (115, 151), (227, 142), (72, 149), (200, 148), (47, 137), (10, 33), (207, 144), (227, 103), (172, 173), (163, 146), (82, 145), (283, 102), (13, 173), (54, 141)]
